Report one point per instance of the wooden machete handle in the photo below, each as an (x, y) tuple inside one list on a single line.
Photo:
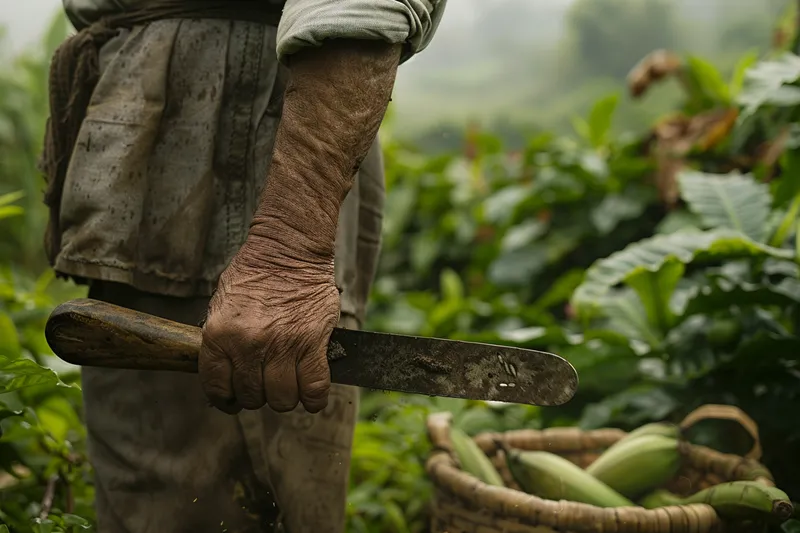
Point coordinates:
[(89, 332)]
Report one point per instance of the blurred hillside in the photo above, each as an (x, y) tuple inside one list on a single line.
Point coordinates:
[(518, 64)]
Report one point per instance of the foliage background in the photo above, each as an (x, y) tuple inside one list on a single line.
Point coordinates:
[(657, 251)]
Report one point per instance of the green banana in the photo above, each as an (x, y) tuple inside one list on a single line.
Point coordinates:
[(634, 466), (660, 498), (552, 477), (745, 500), (735, 499), (472, 459), (664, 429)]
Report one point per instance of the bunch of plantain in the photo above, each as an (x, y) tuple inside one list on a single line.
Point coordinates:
[(640, 462), (630, 470), (741, 500), (472, 459), (552, 477)]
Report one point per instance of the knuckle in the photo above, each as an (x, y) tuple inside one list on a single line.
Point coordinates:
[(316, 391), (237, 340), (214, 387), (249, 387), (212, 379), (250, 403), (216, 392)]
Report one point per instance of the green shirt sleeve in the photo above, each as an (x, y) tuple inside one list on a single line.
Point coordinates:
[(307, 23)]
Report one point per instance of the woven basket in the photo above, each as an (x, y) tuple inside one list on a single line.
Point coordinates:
[(463, 504)]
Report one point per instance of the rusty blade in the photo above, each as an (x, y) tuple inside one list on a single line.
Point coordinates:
[(456, 369)]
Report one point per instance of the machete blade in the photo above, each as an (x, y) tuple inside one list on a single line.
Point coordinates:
[(456, 369)]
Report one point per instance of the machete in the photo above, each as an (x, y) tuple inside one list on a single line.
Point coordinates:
[(93, 333)]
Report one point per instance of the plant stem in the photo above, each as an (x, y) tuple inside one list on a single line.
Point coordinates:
[(70, 505), (49, 495)]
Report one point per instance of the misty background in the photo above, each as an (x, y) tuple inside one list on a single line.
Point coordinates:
[(517, 66)]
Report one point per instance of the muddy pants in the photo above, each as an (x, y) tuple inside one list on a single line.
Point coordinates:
[(166, 461), (161, 187)]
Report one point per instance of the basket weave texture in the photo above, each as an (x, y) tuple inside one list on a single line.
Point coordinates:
[(464, 504)]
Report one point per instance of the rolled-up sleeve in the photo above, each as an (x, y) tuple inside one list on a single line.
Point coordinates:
[(307, 23)]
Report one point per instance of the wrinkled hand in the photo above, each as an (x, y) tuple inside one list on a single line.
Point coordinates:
[(266, 336)]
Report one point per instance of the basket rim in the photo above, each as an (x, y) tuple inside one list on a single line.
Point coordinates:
[(511, 503), (447, 477)]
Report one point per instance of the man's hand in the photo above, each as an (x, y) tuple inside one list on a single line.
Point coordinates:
[(267, 334), (269, 323)]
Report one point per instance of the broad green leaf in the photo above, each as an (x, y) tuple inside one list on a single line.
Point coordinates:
[(633, 407), (11, 197), (400, 202), (719, 294), (739, 72), (451, 286), (526, 337), (600, 119), (775, 267), (582, 128), (560, 290), (500, 206), (615, 208), (8, 413), (9, 338), (8, 211), (518, 266), (43, 526), (17, 374), (71, 520), (595, 165), (395, 517), (523, 234), (603, 369), (655, 291), (43, 281), (424, 249), (764, 84), (678, 220), (730, 201), (57, 416), (709, 80), (650, 254), (627, 316), (533, 336)]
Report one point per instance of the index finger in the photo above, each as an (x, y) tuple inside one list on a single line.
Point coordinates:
[(216, 378)]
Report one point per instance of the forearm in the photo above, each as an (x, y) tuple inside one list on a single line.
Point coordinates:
[(334, 103)]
